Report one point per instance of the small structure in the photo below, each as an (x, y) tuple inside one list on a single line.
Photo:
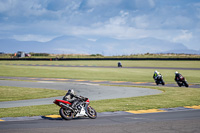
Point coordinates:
[(20, 54)]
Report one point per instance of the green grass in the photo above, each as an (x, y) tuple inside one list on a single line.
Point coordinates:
[(176, 64), (23, 93), (171, 97), (110, 74)]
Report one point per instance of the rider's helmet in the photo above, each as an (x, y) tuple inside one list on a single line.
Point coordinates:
[(71, 91), (155, 71), (176, 72)]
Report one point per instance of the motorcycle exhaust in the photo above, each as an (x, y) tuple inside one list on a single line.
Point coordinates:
[(66, 106)]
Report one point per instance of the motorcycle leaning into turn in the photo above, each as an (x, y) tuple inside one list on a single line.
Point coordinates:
[(82, 108), (181, 81), (159, 80)]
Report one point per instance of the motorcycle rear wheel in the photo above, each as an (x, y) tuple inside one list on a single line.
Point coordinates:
[(66, 114), (186, 84), (91, 112)]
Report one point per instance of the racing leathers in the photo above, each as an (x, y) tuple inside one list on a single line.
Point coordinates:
[(177, 77), (72, 98), (155, 75)]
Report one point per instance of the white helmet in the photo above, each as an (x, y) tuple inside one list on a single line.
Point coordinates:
[(176, 72), (155, 71), (71, 91)]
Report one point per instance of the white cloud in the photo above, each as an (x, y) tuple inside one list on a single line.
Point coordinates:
[(141, 21), (184, 36), (92, 39), (178, 21), (29, 37), (5, 5), (151, 3), (117, 21), (144, 4), (93, 3), (69, 51), (124, 13), (33, 20)]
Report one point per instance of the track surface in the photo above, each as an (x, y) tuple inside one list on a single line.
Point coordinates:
[(175, 68), (92, 91), (96, 81), (168, 122), (85, 88)]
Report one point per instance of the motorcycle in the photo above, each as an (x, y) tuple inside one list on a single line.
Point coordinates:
[(181, 81), (119, 64), (159, 80), (82, 108)]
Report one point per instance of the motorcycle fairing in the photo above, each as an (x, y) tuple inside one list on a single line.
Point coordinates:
[(62, 101)]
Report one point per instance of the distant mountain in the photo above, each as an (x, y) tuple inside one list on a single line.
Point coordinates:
[(12, 46), (188, 51), (104, 45)]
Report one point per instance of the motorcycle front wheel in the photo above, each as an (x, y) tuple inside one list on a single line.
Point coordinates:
[(91, 112), (66, 114), (163, 83)]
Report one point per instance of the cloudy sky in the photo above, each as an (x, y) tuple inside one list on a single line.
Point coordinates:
[(176, 21)]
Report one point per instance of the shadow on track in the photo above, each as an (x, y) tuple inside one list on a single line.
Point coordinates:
[(60, 119)]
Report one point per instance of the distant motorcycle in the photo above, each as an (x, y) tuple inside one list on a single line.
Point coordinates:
[(82, 109), (181, 81), (119, 64), (159, 80)]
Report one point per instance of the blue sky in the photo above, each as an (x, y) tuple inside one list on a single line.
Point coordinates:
[(176, 21)]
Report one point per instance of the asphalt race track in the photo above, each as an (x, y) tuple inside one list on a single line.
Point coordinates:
[(92, 91), (173, 121), (95, 81), (168, 122), (175, 68)]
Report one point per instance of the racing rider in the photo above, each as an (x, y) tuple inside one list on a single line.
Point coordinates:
[(177, 76), (155, 75), (71, 97)]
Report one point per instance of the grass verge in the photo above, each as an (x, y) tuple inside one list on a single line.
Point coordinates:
[(8, 93), (171, 97), (176, 64), (112, 74)]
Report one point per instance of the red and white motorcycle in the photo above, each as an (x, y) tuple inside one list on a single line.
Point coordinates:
[(82, 109)]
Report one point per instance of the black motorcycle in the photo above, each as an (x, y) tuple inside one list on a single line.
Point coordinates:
[(159, 80), (119, 64)]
